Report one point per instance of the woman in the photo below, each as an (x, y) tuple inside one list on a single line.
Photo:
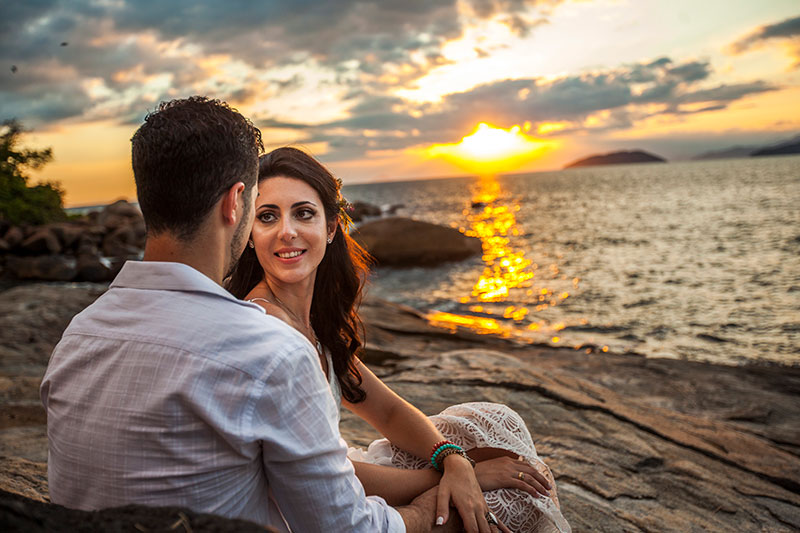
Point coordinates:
[(302, 267)]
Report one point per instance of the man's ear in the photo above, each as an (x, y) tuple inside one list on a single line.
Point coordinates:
[(229, 203)]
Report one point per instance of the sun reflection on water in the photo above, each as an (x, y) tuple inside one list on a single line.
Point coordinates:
[(512, 291)]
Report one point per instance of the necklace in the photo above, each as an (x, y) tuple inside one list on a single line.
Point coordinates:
[(309, 329)]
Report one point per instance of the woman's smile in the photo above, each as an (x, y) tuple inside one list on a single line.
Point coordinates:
[(289, 254)]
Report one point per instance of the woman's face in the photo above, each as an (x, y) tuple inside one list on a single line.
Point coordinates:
[(290, 232)]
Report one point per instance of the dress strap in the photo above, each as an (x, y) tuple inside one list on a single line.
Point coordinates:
[(262, 299)]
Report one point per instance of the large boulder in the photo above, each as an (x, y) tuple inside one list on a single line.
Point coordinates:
[(360, 210), (18, 513), (120, 213), (405, 242), (91, 268), (121, 242), (68, 233), (43, 267), (42, 241), (14, 236)]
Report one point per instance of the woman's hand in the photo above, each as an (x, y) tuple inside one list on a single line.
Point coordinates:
[(459, 485), (508, 473)]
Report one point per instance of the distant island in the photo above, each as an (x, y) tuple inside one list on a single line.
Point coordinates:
[(727, 153), (617, 158), (791, 146)]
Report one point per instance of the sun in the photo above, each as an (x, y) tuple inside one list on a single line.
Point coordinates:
[(492, 150)]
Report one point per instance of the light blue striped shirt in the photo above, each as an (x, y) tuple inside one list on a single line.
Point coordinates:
[(169, 391)]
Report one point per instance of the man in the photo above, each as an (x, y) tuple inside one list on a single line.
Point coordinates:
[(169, 391)]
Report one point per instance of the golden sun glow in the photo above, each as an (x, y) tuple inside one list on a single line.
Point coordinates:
[(491, 150)]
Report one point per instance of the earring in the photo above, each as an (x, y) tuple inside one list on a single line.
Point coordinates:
[(250, 244), (330, 240)]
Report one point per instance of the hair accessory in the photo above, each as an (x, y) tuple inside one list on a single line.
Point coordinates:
[(250, 244), (344, 208)]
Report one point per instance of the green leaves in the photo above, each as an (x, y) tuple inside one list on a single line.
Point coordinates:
[(19, 203)]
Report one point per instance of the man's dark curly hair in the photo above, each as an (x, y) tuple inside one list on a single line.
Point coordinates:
[(185, 156)]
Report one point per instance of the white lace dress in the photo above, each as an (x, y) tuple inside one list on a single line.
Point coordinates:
[(479, 425)]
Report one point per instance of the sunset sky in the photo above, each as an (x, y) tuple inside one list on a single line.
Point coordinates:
[(390, 90)]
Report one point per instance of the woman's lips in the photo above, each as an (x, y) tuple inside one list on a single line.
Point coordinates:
[(289, 255)]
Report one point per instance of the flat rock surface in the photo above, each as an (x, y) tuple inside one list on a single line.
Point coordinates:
[(635, 444)]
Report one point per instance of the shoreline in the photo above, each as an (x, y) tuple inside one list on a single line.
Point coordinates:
[(635, 443)]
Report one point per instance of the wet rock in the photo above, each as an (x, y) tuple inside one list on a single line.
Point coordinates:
[(68, 234), (14, 236), (360, 210), (92, 268), (118, 214), (18, 513), (43, 267), (121, 242), (41, 241), (392, 209), (405, 242)]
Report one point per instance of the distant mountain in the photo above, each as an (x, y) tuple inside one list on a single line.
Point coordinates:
[(617, 158), (728, 153), (792, 146)]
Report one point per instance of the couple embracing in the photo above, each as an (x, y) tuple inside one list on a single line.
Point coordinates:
[(211, 374)]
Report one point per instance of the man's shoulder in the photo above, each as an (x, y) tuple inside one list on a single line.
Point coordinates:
[(222, 331)]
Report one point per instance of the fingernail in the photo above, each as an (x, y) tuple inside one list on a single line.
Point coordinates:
[(440, 521)]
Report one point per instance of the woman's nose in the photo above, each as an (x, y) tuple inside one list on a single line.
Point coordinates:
[(287, 230)]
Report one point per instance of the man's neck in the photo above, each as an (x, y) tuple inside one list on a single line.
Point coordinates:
[(197, 253)]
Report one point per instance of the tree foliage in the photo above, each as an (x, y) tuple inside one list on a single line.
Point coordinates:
[(20, 203)]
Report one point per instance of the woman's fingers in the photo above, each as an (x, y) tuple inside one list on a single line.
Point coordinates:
[(531, 481), (502, 527), (532, 475), (539, 477), (442, 505), (483, 523)]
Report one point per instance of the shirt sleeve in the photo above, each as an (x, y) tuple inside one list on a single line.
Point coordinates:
[(305, 458)]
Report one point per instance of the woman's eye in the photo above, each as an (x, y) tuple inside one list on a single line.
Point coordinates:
[(305, 214), (267, 217)]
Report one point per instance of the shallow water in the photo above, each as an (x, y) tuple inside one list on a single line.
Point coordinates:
[(695, 260)]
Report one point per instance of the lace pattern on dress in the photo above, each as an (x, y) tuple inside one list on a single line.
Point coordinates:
[(486, 425)]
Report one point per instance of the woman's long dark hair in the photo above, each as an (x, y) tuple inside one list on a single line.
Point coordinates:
[(340, 276)]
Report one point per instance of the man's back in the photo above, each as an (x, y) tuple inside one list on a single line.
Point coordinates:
[(167, 390)]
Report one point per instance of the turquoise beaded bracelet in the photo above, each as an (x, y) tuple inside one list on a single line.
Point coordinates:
[(442, 448)]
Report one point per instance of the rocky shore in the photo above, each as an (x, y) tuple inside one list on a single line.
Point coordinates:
[(636, 444)]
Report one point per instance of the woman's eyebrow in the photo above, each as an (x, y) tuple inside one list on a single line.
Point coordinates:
[(296, 204)]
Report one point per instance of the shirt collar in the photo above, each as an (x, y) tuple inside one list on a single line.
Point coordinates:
[(167, 276)]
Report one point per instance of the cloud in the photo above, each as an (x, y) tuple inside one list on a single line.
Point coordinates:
[(609, 99), (787, 31), (117, 49)]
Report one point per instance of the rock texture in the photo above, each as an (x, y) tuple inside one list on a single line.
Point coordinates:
[(636, 444), (23, 514), (92, 248), (405, 242)]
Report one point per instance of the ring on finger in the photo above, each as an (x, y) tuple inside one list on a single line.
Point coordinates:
[(491, 518), (521, 476)]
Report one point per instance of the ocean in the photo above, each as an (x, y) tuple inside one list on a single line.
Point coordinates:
[(691, 260)]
